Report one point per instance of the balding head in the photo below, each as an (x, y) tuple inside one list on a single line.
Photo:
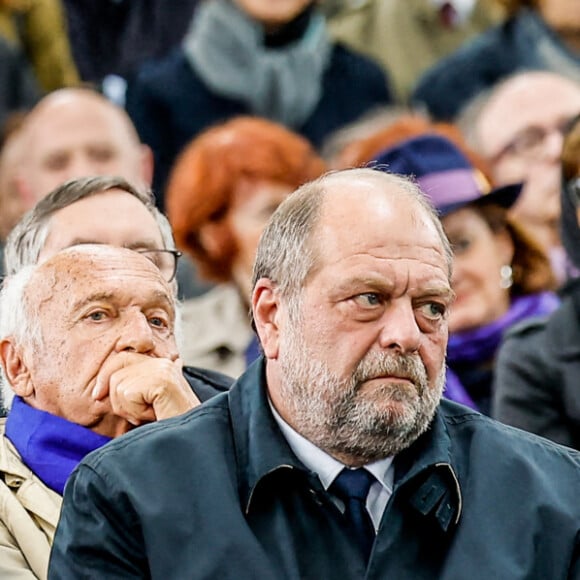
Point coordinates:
[(525, 99), (77, 132), (519, 128), (63, 321)]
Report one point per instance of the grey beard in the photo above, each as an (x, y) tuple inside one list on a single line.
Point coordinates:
[(334, 415)]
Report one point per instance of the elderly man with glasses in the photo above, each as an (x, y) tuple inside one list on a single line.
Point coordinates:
[(518, 127), (135, 383)]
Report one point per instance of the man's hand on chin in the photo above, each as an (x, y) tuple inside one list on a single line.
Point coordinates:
[(142, 389)]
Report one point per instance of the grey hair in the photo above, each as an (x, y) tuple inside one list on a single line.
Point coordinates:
[(25, 242), (17, 320), (20, 319), (286, 253)]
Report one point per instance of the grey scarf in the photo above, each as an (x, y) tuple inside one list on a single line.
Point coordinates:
[(225, 47)]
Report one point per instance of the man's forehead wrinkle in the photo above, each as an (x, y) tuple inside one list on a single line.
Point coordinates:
[(43, 286)]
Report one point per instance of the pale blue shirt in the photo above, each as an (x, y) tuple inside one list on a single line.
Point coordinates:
[(327, 468)]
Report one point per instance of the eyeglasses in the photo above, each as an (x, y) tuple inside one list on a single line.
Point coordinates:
[(530, 143), (165, 260)]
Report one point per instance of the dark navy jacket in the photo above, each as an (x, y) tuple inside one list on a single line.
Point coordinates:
[(169, 104), (206, 383), (218, 494)]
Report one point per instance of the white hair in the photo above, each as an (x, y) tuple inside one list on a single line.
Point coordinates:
[(17, 320)]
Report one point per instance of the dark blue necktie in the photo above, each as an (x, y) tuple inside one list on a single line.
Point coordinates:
[(352, 487)]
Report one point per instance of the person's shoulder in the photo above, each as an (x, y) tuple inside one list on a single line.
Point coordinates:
[(490, 439), (527, 329), (547, 327), (196, 429), (347, 59), (206, 383), (169, 68), (452, 81)]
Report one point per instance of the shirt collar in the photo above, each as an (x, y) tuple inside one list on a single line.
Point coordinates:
[(425, 468), (323, 464)]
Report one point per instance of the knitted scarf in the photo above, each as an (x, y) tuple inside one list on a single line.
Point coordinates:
[(284, 84), (50, 446)]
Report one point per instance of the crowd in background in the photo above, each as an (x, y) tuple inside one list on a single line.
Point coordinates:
[(224, 107), (346, 79)]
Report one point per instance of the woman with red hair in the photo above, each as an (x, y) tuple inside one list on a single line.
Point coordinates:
[(222, 190)]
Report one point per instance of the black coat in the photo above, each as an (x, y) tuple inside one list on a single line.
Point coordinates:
[(537, 375), (218, 493), (522, 42), (170, 104)]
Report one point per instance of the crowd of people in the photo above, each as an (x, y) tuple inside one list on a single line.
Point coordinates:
[(279, 281)]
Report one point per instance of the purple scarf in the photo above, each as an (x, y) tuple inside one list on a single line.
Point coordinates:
[(50, 446), (480, 344)]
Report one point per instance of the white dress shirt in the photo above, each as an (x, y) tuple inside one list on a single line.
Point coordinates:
[(328, 468)]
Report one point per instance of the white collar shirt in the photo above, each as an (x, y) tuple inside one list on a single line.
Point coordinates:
[(327, 468)]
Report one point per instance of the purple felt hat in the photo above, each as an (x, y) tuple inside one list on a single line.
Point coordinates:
[(444, 174)]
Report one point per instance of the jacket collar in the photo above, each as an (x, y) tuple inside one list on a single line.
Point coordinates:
[(424, 470), (261, 450), (563, 330), (427, 472), (34, 495)]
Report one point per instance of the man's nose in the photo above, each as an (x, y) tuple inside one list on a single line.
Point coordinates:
[(136, 335), (400, 330)]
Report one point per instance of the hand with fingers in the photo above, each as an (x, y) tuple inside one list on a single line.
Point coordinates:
[(142, 389)]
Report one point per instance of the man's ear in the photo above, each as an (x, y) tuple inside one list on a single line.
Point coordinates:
[(266, 312), (15, 368)]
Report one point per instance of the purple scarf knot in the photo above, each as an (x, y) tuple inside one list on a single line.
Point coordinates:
[(50, 446)]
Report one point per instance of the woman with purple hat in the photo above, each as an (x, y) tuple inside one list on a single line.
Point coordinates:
[(500, 275)]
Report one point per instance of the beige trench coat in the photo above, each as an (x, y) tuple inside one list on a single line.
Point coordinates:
[(29, 513)]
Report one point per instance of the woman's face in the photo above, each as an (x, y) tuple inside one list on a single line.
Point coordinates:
[(273, 13), (561, 15), (252, 205), (479, 254)]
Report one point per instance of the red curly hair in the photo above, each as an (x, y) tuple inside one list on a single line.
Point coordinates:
[(210, 168)]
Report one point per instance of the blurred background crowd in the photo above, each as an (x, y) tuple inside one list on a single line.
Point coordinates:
[(224, 107)]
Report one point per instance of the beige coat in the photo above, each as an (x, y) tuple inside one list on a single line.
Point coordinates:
[(29, 513), (216, 331), (406, 36)]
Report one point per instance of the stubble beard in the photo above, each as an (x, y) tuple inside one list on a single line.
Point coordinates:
[(345, 420)]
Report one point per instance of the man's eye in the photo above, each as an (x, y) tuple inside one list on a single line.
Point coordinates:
[(434, 310), (368, 299), (460, 246), (158, 322), (57, 163), (101, 155), (97, 316)]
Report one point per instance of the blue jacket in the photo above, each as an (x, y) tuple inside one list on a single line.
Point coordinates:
[(169, 104), (520, 43), (218, 493)]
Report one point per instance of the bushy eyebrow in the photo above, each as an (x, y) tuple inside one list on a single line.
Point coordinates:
[(158, 296), (96, 297)]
